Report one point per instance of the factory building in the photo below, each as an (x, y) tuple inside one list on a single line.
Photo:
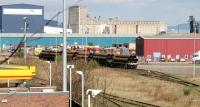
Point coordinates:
[(168, 46), (82, 23), (12, 18)]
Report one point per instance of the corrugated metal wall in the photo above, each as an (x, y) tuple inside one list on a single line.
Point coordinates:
[(171, 47), (14, 23)]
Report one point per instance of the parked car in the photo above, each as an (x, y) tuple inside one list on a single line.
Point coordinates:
[(148, 60), (172, 60), (182, 60), (162, 59)]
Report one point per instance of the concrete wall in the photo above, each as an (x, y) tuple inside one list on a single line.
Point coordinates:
[(88, 24), (74, 18)]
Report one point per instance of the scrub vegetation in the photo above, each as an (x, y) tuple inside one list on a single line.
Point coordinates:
[(119, 82)]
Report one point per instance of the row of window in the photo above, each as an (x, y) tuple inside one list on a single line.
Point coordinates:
[(170, 56)]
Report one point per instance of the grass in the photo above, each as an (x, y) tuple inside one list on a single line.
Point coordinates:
[(131, 86), (118, 82), (187, 91)]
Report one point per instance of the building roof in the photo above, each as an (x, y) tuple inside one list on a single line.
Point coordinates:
[(22, 5), (173, 36), (51, 23)]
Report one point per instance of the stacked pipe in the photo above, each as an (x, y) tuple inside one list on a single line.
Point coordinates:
[(126, 61), (49, 55), (110, 60)]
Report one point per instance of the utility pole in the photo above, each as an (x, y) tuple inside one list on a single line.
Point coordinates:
[(25, 31), (0, 42), (65, 23), (194, 67)]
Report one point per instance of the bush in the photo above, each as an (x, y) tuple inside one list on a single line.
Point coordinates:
[(82, 65), (19, 54), (90, 44), (187, 91)]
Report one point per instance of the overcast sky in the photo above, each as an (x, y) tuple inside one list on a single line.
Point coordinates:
[(172, 11)]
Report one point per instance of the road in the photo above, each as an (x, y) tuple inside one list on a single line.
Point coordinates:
[(180, 69)]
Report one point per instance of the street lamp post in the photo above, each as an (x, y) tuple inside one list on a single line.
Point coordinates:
[(25, 31), (0, 40), (70, 67), (194, 67), (8, 82), (82, 79), (86, 49), (65, 21), (86, 42), (92, 93), (50, 73)]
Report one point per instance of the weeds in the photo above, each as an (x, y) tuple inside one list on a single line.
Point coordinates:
[(187, 91)]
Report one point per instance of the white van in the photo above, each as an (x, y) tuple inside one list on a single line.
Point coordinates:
[(196, 57)]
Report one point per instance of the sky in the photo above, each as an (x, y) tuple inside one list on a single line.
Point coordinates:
[(172, 11)]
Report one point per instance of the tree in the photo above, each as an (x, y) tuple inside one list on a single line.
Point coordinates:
[(90, 44)]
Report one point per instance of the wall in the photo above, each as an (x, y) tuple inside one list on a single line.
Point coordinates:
[(0, 19), (93, 25), (74, 18), (13, 22), (57, 99), (171, 47), (7, 39)]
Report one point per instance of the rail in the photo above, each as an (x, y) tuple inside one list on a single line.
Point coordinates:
[(114, 99)]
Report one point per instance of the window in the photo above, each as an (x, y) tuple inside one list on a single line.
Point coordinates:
[(163, 56), (195, 55), (149, 56), (168, 56)]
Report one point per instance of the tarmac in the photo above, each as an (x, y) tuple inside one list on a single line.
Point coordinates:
[(173, 68)]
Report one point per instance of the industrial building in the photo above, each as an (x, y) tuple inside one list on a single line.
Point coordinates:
[(12, 18), (82, 23), (168, 46)]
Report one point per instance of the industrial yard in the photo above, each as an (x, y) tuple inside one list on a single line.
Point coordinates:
[(87, 54), (131, 84)]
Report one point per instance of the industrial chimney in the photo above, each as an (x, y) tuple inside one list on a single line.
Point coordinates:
[(192, 24), (197, 27)]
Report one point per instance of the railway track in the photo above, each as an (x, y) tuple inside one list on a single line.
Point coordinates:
[(165, 77), (117, 100)]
